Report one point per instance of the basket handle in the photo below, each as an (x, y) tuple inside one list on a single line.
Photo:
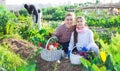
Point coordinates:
[(49, 41), (74, 47)]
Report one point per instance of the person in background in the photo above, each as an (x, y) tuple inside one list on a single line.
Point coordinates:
[(35, 13), (39, 19), (64, 31), (82, 38)]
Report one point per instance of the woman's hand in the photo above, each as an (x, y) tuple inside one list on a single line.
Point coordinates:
[(55, 38)]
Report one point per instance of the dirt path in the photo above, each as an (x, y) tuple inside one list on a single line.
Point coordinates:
[(64, 65)]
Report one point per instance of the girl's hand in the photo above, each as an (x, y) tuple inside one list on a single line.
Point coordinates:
[(84, 49)]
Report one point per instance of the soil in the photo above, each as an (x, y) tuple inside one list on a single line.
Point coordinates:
[(26, 49), (64, 65), (21, 47)]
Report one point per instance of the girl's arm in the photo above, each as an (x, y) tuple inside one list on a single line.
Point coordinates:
[(71, 44), (92, 46), (91, 37), (91, 40)]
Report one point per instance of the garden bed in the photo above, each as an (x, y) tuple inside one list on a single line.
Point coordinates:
[(26, 49), (23, 48), (64, 65)]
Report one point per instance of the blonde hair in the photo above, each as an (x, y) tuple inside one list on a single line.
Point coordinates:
[(81, 17)]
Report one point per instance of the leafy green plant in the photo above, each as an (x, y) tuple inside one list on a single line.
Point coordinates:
[(10, 27), (38, 38), (54, 24), (87, 66), (54, 13), (24, 24), (9, 60), (106, 22), (30, 67), (109, 63), (5, 16), (23, 12), (112, 48), (97, 65)]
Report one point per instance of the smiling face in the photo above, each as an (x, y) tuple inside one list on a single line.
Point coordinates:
[(80, 23), (69, 20)]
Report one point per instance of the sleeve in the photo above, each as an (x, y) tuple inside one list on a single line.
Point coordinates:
[(91, 40), (71, 44), (57, 33), (91, 37), (31, 9)]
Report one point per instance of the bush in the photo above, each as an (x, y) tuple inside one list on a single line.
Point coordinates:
[(113, 48), (106, 22), (23, 12), (24, 24), (10, 27), (9, 60), (5, 16), (56, 13)]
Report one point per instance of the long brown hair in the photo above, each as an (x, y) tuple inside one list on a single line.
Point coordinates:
[(75, 36), (75, 32)]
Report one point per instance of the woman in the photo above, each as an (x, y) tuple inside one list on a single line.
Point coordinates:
[(32, 11), (64, 31), (82, 37)]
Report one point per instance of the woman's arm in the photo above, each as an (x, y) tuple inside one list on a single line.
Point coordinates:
[(57, 33)]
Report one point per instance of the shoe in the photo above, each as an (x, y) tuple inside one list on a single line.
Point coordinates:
[(66, 56)]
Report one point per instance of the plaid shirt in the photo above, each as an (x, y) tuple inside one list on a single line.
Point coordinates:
[(63, 34)]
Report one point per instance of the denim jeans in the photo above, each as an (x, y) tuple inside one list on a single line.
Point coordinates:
[(65, 46)]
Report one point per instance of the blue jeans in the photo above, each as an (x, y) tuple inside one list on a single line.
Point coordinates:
[(65, 46)]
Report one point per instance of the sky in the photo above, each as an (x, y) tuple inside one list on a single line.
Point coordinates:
[(18, 2)]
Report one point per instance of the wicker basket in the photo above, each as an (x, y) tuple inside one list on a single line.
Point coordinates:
[(51, 55), (74, 58)]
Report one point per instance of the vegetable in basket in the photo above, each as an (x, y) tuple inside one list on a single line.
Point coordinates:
[(54, 46)]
